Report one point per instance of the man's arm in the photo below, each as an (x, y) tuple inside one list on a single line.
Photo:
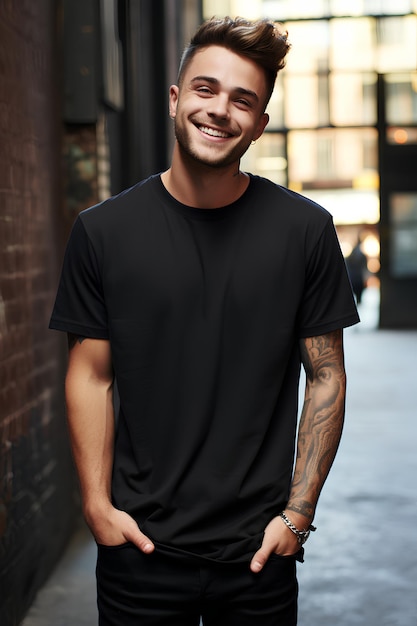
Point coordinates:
[(319, 435), (89, 399)]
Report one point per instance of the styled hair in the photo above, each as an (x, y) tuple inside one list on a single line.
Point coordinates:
[(260, 41)]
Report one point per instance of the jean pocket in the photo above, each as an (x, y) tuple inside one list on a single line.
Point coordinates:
[(120, 546), (297, 556)]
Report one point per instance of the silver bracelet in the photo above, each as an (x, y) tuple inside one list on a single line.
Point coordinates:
[(302, 535)]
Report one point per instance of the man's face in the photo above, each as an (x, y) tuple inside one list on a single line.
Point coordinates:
[(218, 108)]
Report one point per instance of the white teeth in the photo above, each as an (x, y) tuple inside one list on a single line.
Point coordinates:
[(212, 132)]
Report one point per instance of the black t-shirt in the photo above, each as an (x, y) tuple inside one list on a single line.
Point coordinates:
[(204, 309)]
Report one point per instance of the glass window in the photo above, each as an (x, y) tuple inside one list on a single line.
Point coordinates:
[(306, 101), (403, 234), (347, 7), (353, 99), (371, 7), (310, 45), (382, 7), (251, 9), (397, 44), (401, 98), (275, 107), (293, 9), (334, 157), (352, 44), (216, 7), (267, 158), (301, 95)]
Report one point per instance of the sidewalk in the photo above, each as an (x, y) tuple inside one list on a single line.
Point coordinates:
[(361, 564)]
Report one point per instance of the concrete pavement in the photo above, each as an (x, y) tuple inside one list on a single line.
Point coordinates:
[(361, 564)]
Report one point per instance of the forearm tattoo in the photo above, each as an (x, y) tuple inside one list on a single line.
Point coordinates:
[(321, 420)]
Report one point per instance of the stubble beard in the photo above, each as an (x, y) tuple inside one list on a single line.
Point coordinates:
[(217, 161)]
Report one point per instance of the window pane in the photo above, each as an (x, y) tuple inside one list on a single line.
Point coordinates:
[(251, 9), (267, 158), (370, 7), (397, 44), (401, 98), (381, 7), (352, 44), (310, 43), (353, 99), (291, 9), (333, 158), (275, 107), (306, 101), (347, 7), (404, 234)]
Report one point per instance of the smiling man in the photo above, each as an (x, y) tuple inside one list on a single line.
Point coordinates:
[(200, 292), (218, 108)]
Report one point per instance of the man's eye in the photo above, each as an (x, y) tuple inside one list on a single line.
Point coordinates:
[(244, 103), (204, 90)]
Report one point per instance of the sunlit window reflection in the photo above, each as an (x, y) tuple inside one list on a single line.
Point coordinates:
[(299, 90), (397, 44), (353, 99), (401, 98), (352, 44), (310, 46), (334, 157)]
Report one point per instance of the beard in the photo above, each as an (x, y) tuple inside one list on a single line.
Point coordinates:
[(214, 156)]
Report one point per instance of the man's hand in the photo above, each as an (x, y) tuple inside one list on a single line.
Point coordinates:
[(278, 538), (111, 527)]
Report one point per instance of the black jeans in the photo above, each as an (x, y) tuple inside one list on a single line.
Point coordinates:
[(135, 589)]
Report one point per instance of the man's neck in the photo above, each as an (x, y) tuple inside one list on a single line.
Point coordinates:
[(204, 187)]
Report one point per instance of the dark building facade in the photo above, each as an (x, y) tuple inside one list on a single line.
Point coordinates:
[(36, 478)]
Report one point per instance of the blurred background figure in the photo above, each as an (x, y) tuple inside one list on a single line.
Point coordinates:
[(357, 267)]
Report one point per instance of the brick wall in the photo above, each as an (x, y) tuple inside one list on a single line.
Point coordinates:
[(36, 478)]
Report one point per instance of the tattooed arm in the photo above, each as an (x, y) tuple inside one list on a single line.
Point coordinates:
[(321, 422), (89, 398), (319, 435)]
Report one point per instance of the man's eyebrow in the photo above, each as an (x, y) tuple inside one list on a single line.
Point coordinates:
[(213, 81), (247, 92), (206, 79)]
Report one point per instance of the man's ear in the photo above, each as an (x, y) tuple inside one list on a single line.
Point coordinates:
[(173, 100), (263, 121)]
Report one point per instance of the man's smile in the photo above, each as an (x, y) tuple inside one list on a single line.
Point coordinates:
[(213, 132)]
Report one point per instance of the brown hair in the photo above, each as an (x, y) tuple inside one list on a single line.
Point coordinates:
[(260, 41)]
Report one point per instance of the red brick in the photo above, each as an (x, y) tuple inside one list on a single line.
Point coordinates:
[(35, 465)]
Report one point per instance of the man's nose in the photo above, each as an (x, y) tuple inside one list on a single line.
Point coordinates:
[(219, 106)]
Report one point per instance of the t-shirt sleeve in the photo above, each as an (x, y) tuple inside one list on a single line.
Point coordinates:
[(328, 301), (80, 305)]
